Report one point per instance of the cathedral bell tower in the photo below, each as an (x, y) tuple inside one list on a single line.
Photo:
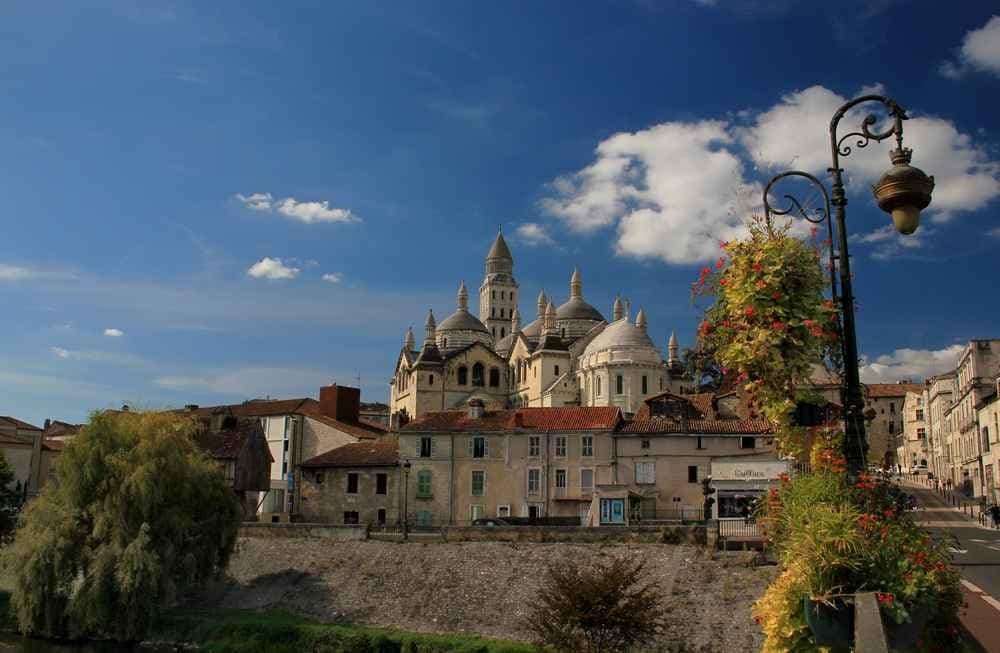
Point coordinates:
[(498, 294)]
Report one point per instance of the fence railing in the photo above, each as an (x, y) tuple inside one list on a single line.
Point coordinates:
[(672, 514), (738, 528)]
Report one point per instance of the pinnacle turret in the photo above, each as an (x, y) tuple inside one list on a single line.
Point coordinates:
[(618, 310), (640, 319), (409, 342), (463, 297), (576, 285), (543, 301)]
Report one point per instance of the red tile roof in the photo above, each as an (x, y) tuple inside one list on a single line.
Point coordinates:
[(303, 406), (227, 442), (376, 453), (720, 426), (17, 423), (882, 390), (567, 418)]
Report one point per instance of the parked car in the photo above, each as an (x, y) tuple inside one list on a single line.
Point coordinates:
[(490, 521), (918, 468)]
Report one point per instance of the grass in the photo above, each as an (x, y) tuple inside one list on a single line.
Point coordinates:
[(231, 631)]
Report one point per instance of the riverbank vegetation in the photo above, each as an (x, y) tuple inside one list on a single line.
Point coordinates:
[(139, 515)]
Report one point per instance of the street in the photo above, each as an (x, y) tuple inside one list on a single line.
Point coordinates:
[(975, 553)]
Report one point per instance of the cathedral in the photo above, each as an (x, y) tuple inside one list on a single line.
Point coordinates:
[(568, 355)]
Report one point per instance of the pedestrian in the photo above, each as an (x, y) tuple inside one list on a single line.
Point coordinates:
[(995, 515), (746, 513)]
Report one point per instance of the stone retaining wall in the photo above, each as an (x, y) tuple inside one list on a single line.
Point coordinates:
[(326, 531)]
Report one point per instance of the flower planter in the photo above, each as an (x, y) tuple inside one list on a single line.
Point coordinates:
[(905, 635), (832, 623)]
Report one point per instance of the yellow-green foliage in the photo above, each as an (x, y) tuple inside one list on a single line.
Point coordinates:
[(139, 513)]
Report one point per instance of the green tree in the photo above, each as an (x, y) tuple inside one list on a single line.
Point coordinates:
[(138, 516), (10, 497)]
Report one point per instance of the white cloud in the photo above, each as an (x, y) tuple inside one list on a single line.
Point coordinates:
[(114, 333), (272, 268), (307, 212), (913, 364), (257, 201), (532, 234), (980, 51), (661, 186), (333, 277), (249, 382), (15, 272), (889, 243), (96, 356)]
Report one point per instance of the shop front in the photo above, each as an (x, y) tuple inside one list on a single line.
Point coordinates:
[(740, 484)]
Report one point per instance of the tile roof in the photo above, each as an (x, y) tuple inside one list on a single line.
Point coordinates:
[(303, 406), (17, 423), (361, 430), (53, 445), (880, 390), (227, 442), (58, 428), (540, 419), (375, 453), (720, 426)]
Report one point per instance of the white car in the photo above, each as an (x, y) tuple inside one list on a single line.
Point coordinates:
[(918, 468)]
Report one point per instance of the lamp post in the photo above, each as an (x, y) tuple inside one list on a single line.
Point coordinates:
[(406, 489), (903, 191)]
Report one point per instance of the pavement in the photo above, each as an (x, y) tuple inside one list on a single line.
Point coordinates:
[(975, 552)]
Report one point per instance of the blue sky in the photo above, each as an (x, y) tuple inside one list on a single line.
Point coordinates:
[(179, 178)]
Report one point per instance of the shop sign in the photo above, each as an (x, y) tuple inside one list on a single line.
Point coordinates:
[(748, 471)]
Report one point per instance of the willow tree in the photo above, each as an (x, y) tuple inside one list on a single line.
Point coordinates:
[(139, 514)]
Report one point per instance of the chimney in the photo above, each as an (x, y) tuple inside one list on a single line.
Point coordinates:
[(476, 408), (48, 423), (340, 402)]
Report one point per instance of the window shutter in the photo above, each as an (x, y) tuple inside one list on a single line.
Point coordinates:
[(416, 448), (486, 447), (471, 441), (433, 446)]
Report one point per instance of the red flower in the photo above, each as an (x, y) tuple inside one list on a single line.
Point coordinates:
[(749, 311), (720, 263), (723, 281), (778, 325), (776, 295), (757, 267), (884, 598), (761, 284)]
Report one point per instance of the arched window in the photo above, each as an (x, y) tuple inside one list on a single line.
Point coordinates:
[(618, 384), (493, 311), (501, 312), (563, 332), (986, 438), (463, 375), (557, 370), (444, 343), (598, 385), (502, 295), (494, 377), (503, 332), (430, 380), (493, 294), (478, 373)]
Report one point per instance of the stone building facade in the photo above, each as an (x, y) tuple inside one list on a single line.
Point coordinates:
[(974, 382), (569, 355), (989, 429), (354, 484), (938, 392), (886, 399), (911, 443)]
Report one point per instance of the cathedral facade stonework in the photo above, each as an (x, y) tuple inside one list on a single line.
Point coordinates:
[(568, 355)]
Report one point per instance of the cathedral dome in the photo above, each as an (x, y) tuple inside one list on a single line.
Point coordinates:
[(461, 321), (462, 328), (577, 309), (622, 339)]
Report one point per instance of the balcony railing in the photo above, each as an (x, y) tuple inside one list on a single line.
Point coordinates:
[(738, 528)]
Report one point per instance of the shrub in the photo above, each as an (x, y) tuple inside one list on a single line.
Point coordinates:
[(139, 514), (596, 609)]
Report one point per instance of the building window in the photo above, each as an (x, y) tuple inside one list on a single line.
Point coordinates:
[(476, 511), (645, 473), (479, 447), (644, 444), (463, 375), (560, 446), (920, 414), (493, 294), (598, 383), (534, 480), (424, 484), (986, 439), (320, 478), (692, 473), (501, 313), (494, 377), (587, 446), (701, 443), (284, 469), (503, 511), (921, 434), (748, 442), (891, 427), (619, 384), (430, 379), (478, 483), (892, 407), (380, 517), (426, 446), (534, 446), (424, 518), (493, 311), (586, 481), (478, 375), (561, 479), (381, 484), (644, 390), (661, 383), (503, 332), (351, 517), (557, 370), (352, 483)]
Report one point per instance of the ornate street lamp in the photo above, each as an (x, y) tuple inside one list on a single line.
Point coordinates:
[(903, 191)]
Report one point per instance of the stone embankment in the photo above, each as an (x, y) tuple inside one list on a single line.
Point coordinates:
[(483, 588)]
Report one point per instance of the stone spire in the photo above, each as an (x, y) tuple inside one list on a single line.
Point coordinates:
[(550, 319), (576, 285), (672, 349), (640, 320), (542, 303), (430, 329), (618, 310), (409, 342), (463, 297), (499, 258), (515, 322)]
